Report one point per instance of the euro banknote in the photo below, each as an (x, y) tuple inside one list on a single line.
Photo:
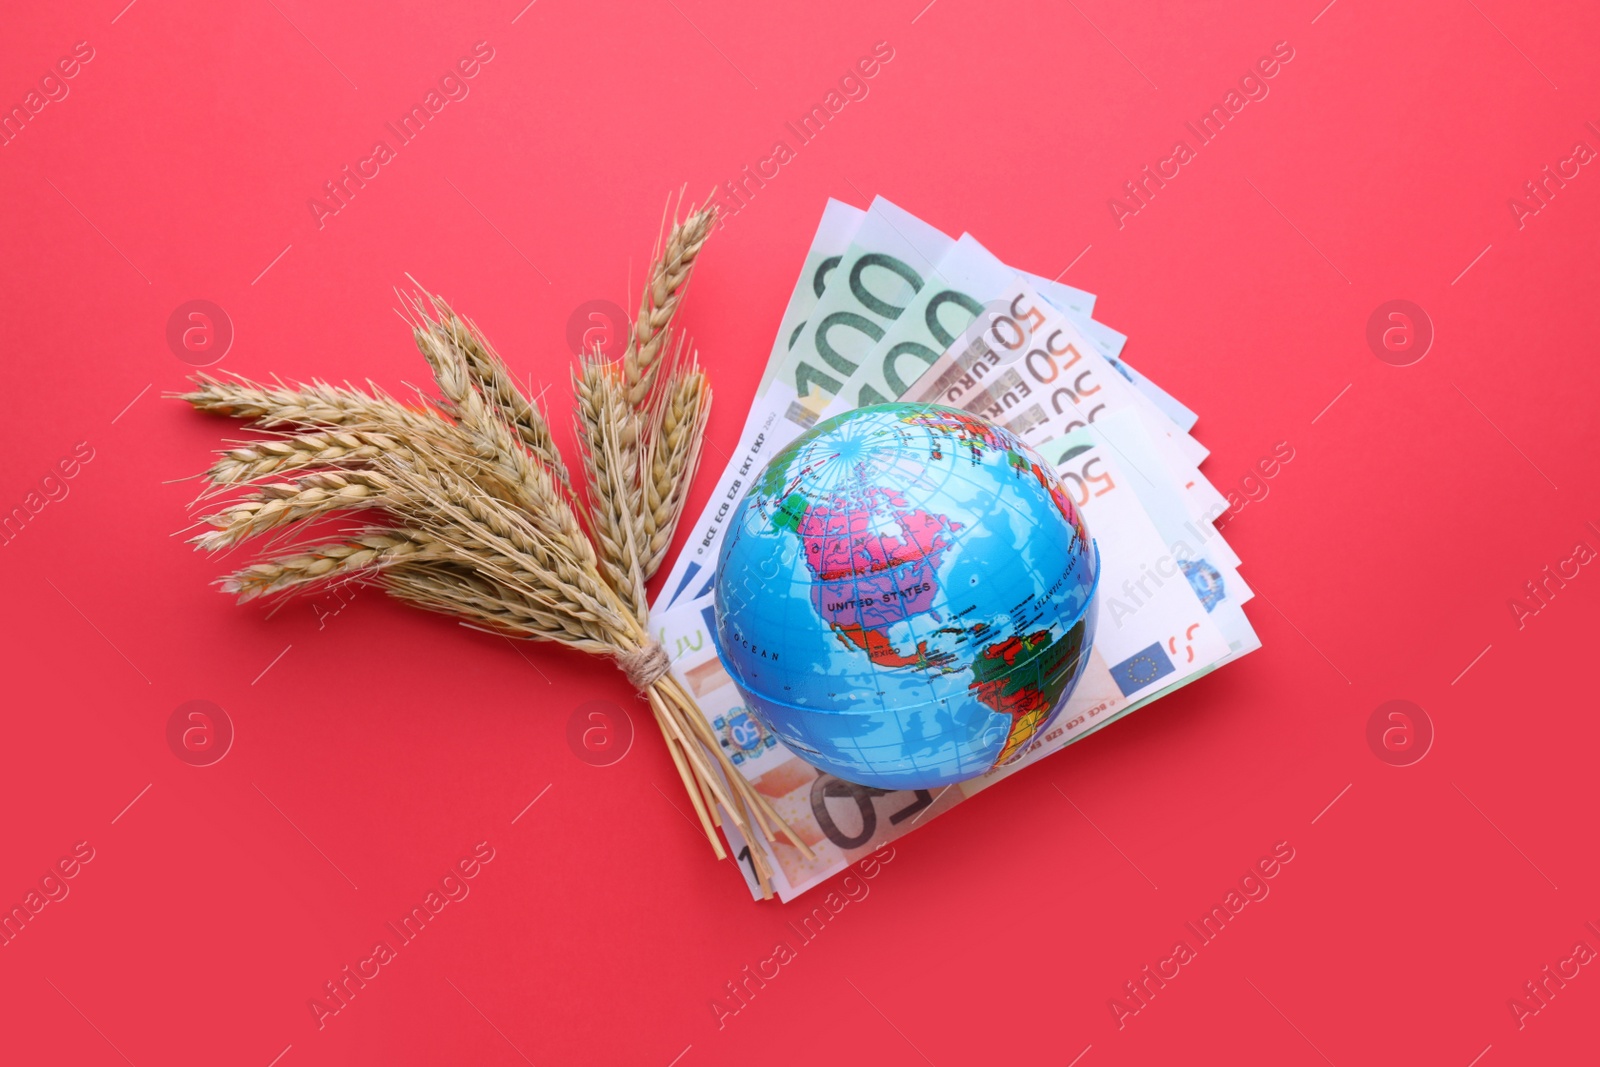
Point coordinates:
[(1151, 637), (971, 295), (1190, 550), (832, 239), (1056, 367), (966, 279), (890, 255), (1023, 364)]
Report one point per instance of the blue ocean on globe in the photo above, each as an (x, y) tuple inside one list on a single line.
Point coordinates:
[(904, 596)]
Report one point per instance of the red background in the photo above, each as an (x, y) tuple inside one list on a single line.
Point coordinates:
[(384, 744)]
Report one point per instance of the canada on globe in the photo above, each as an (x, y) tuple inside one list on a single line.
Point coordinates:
[(905, 596)]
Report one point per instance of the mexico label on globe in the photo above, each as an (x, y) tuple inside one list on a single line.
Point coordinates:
[(904, 596)]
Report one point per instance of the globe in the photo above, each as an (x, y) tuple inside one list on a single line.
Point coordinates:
[(905, 595)]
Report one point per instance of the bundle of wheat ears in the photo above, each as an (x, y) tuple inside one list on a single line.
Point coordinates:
[(467, 508)]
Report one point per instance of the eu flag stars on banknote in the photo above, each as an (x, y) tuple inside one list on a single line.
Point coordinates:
[(888, 308)]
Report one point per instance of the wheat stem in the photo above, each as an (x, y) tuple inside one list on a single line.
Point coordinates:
[(691, 781)]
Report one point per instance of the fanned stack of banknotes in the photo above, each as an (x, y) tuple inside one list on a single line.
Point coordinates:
[(889, 308)]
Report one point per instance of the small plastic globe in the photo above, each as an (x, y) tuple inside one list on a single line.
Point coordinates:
[(905, 596)]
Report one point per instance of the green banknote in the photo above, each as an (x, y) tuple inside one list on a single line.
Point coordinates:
[(828, 246), (887, 264)]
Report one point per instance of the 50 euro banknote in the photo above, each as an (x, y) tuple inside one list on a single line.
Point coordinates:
[(1151, 638)]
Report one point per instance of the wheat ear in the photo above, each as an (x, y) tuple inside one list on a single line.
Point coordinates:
[(358, 556), (314, 404), (612, 473), (663, 292), (489, 375), (346, 449), (275, 504), (443, 339), (462, 591), (672, 453)]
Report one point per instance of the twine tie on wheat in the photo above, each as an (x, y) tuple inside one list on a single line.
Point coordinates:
[(645, 666)]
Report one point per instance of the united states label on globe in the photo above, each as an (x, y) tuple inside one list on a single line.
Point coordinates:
[(905, 597)]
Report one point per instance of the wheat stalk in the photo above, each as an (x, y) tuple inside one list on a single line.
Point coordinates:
[(477, 387), (478, 529), (480, 521), (622, 412)]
